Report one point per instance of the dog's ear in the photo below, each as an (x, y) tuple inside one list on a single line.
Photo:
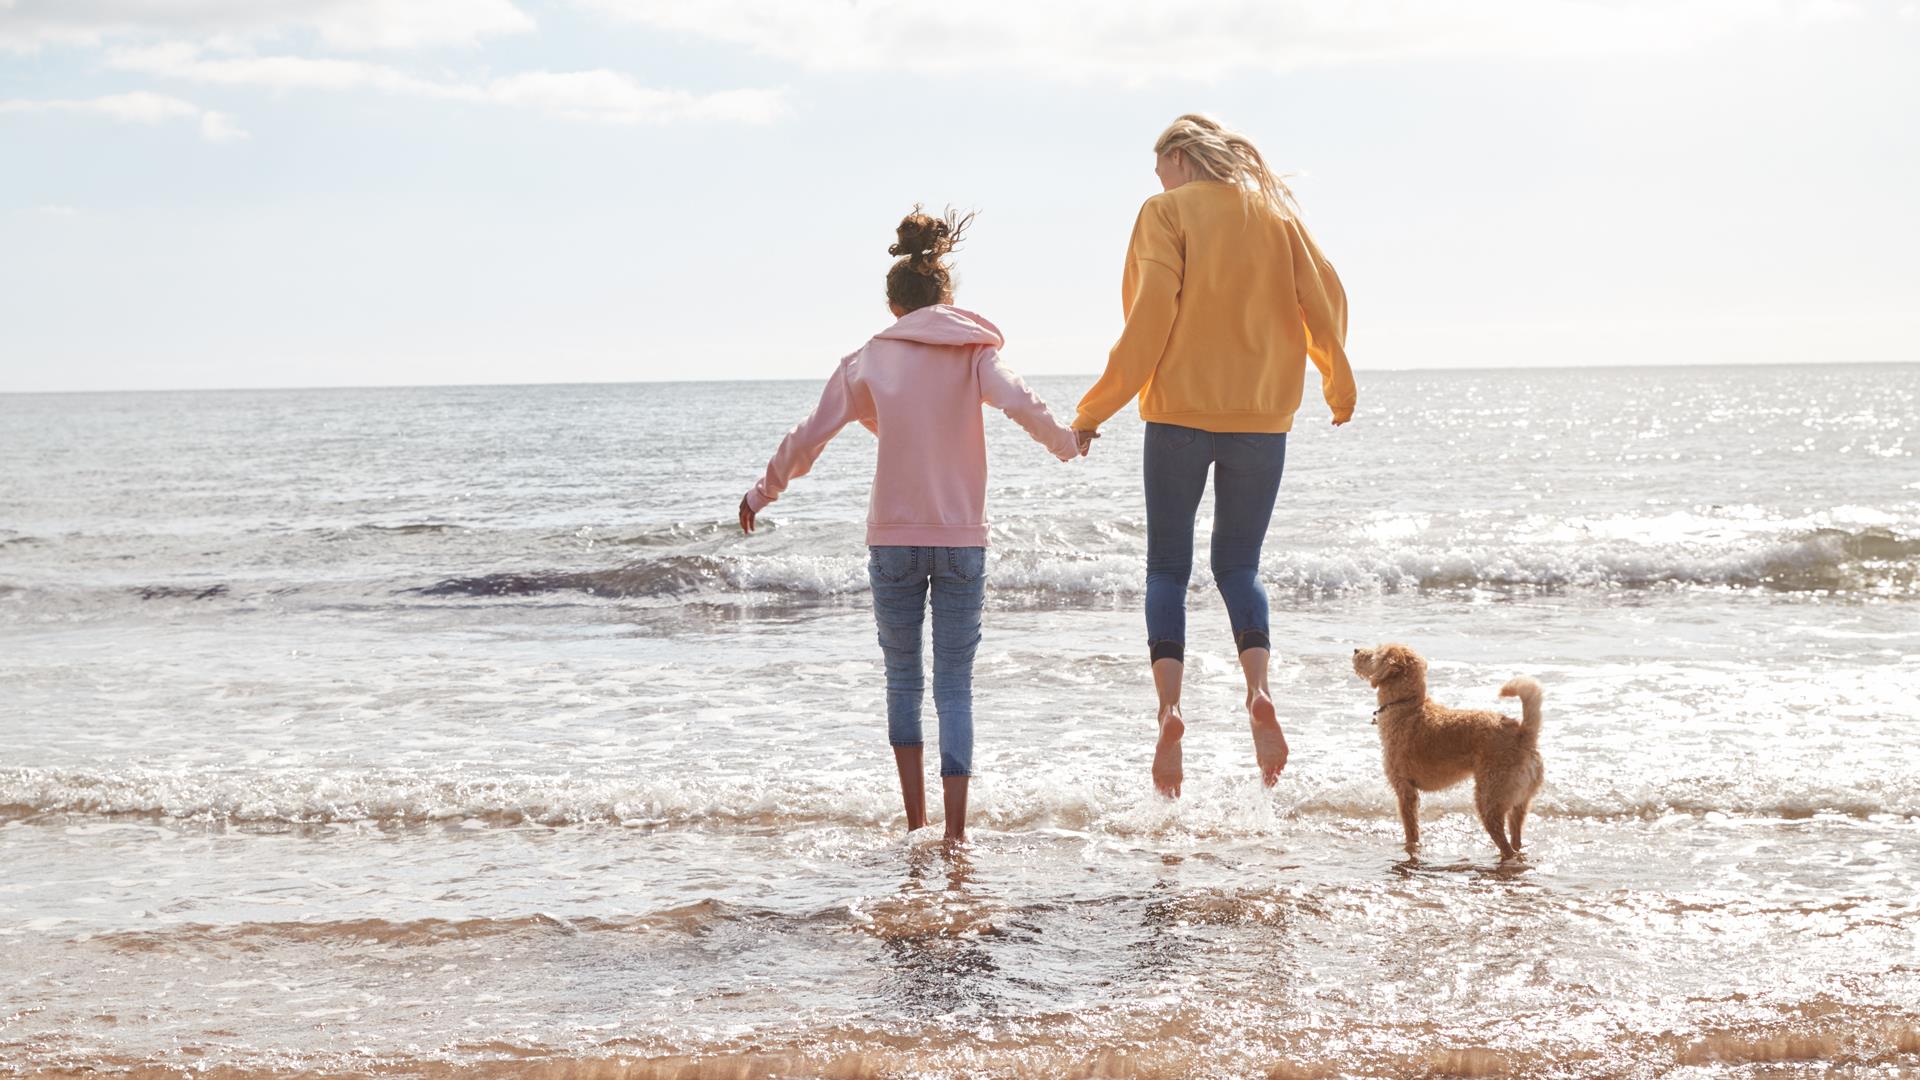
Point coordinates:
[(1394, 662), (1384, 661), (1412, 662)]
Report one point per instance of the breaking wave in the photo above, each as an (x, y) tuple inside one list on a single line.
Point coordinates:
[(180, 592), (1874, 561), (1116, 805), (687, 918)]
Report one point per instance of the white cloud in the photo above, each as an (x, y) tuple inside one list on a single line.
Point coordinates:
[(219, 127), (1830, 11), (611, 97), (1137, 40), (406, 24), (351, 24), (181, 61), (137, 107), (598, 95)]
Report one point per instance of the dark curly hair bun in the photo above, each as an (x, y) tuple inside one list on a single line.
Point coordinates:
[(922, 235), (921, 277)]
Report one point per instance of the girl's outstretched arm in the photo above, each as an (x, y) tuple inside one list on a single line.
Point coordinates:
[(803, 444), (1002, 389)]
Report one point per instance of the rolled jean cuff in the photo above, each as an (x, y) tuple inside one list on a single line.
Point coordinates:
[(914, 745), (1167, 650), (1252, 639)]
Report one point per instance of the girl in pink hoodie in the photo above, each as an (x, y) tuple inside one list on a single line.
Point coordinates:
[(919, 385)]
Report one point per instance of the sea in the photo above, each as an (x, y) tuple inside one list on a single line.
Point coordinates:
[(458, 731)]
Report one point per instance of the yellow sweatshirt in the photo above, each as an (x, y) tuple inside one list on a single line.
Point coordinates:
[(1225, 301)]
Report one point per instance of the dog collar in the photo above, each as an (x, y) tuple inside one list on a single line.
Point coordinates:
[(1391, 704)]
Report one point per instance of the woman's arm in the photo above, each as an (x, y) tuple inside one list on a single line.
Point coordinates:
[(1150, 296), (1004, 390), (1323, 308), (803, 444)]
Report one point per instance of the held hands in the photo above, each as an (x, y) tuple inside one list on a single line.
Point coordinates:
[(1083, 438)]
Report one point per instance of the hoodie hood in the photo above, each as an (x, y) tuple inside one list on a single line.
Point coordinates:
[(944, 324)]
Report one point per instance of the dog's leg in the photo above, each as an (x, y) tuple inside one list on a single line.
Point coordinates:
[(1491, 819), (1523, 801), (1492, 815), (1515, 818), (1409, 811)]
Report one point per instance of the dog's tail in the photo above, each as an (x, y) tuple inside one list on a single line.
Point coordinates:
[(1528, 692)]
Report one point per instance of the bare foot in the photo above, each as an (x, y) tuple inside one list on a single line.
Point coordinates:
[(1166, 752), (1269, 745)]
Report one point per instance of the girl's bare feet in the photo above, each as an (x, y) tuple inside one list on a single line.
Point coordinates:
[(1166, 752), (913, 785), (1269, 744)]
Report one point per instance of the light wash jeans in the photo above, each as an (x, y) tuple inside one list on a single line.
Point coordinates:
[(1246, 479), (902, 578)]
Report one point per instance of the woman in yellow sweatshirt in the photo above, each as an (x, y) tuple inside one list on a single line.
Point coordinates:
[(1226, 298)]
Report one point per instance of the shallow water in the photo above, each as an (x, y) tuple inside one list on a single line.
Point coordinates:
[(422, 732)]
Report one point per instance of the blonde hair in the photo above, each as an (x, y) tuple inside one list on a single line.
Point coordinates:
[(1224, 154)]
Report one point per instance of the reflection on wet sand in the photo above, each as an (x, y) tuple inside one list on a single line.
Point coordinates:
[(930, 932)]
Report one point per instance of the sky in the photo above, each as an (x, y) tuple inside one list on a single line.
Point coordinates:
[(261, 193)]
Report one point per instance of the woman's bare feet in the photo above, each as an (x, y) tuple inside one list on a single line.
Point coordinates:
[(1166, 752), (1269, 744)]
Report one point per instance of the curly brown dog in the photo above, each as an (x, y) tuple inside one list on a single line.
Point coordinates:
[(1428, 747)]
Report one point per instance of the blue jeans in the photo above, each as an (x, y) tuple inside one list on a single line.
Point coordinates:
[(901, 578), (1246, 478)]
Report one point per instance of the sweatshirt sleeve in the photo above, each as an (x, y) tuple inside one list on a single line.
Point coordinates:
[(803, 444), (1149, 297), (1323, 308), (1006, 391)]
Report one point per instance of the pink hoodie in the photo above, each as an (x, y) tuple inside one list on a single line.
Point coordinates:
[(919, 385)]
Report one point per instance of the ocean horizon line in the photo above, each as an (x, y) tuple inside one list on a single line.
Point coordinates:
[(1718, 365)]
